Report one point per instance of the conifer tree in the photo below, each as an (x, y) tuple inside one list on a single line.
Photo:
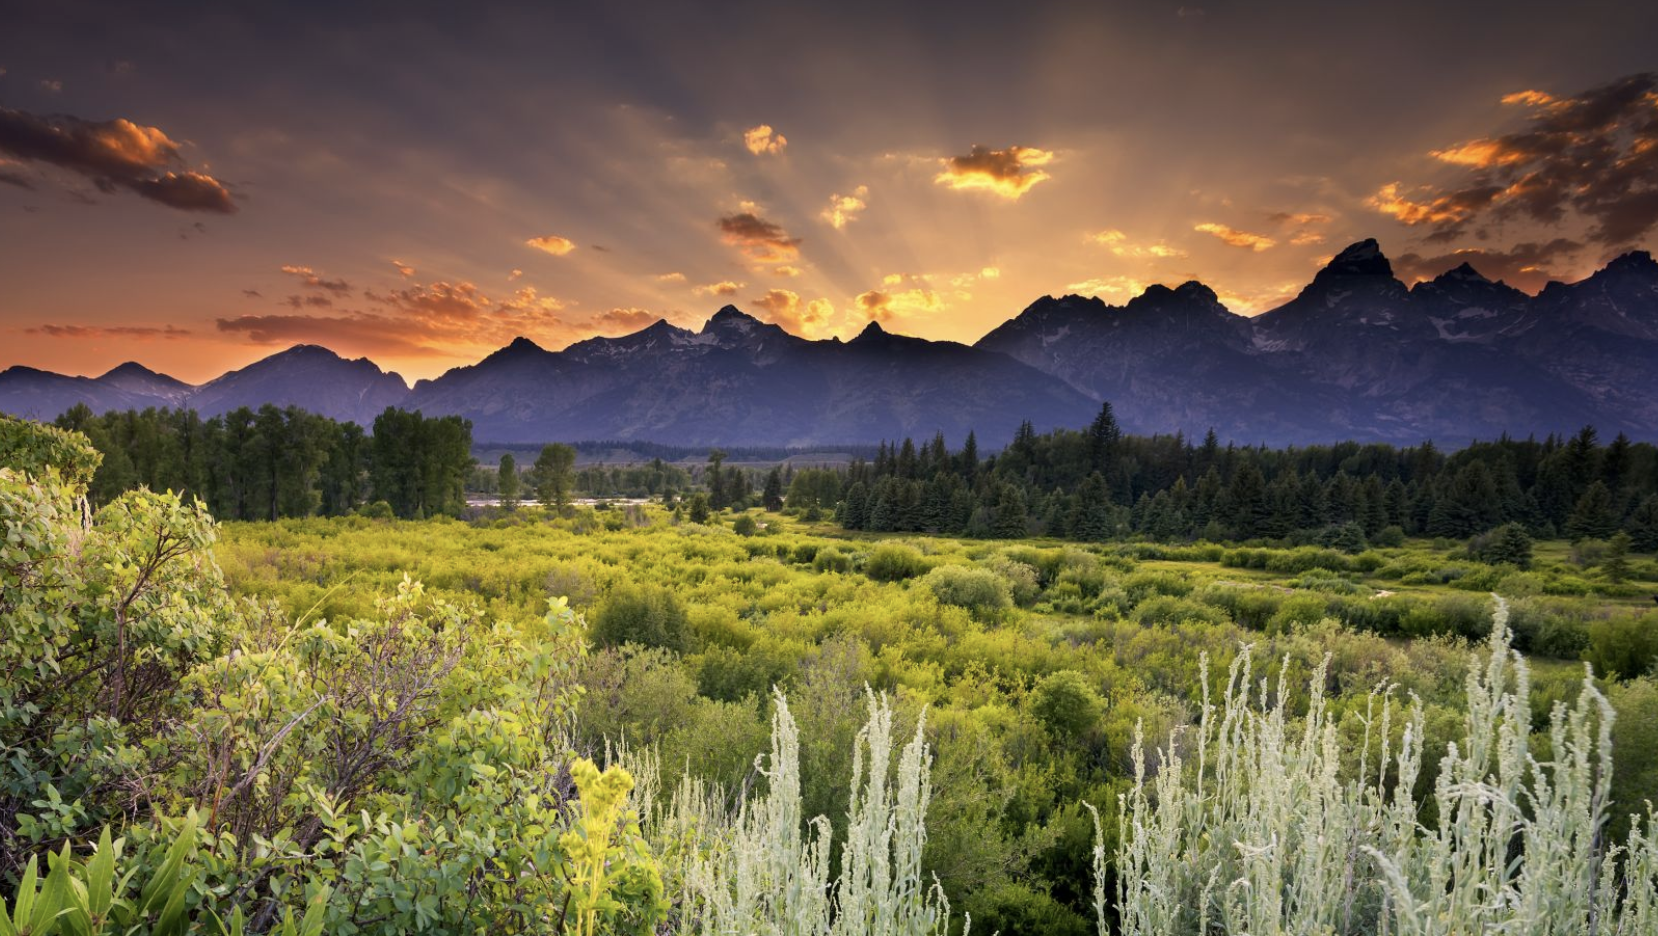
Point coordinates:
[(1592, 517), (506, 482)]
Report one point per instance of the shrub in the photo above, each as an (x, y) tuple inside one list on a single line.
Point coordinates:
[(647, 615), (830, 559), (1021, 577), (1169, 611), (892, 562), (744, 525), (978, 590), (1625, 645), (1067, 704)]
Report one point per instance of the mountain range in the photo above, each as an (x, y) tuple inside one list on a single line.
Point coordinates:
[(1355, 355)]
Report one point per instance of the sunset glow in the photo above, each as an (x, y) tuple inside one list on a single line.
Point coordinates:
[(421, 191)]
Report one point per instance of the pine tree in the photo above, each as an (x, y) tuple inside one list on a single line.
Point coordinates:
[(1103, 436), (772, 496), (1643, 525), (1010, 520), (715, 481), (552, 474), (1592, 517), (1616, 564), (507, 481)]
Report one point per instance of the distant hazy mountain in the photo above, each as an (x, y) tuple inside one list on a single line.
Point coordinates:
[(740, 381), (1355, 355), (310, 378), (138, 380)]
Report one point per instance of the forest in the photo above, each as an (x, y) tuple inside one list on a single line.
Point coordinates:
[(735, 709)]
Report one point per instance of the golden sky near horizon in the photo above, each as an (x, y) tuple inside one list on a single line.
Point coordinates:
[(422, 183)]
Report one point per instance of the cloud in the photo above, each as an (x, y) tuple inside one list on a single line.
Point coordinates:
[(1592, 154), (1009, 173), (787, 272), (136, 332), (552, 243), (1298, 218), (763, 140), (844, 209), (403, 268), (784, 308), (310, 279), (1235, 237), (315, 302), (438, 319), (1527, 266), (1118, 243), (1446, 212), (1116, 287), (760, 240), (515, 274), (724, 288), (670, 277), (622, 321), (50, 85), (990, 272), (879, 306), (114, 154)]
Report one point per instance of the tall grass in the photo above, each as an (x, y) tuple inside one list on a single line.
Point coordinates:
[(1257, 823), (767, 871)]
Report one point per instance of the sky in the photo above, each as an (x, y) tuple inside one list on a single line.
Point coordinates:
[(199, 185)]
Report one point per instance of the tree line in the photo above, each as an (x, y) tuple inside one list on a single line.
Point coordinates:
[(277, 462), (1098, 484)]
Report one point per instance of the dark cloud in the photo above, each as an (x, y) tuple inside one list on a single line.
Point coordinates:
[(114, 154), (1593, 154), (315, 302), (1527, 266), (761, 240), (1009, 173), (139, 332)]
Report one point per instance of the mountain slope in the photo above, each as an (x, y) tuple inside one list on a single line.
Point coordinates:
[(308, 377), (740, 381)]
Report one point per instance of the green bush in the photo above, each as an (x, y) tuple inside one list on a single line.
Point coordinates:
[(647, 615), (892, 562), (978, 590)]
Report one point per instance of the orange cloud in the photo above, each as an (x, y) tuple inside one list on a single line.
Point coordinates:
[(879, 306), (1118, 243), (1440, 210), (1594, 154), (114, 154), (723, 288), (785, 308), (844, 209), (137, 332), (787, 272), (760, 240), (1118, 287), (310, 279), (1009, 173), (675, 277), (403, 268), (763, 140), (1235, 237), (552, 244)]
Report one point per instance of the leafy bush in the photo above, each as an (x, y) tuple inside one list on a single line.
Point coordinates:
[(893, 562), (647, 615), (978, 590)]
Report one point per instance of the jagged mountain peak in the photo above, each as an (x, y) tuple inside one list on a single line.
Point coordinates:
[(1635, 261), (1364, 258), (522, 345), (872, 332)]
